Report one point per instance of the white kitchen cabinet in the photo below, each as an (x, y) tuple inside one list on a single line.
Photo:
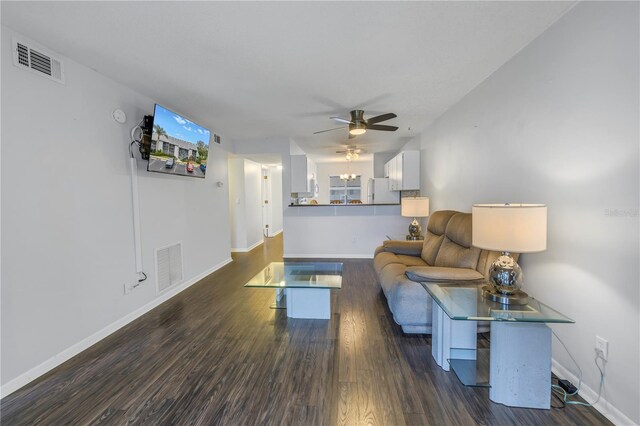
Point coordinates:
[(404, 171), (303, 175), (391, 166)]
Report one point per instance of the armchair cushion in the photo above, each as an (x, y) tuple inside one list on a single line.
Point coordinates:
[(456, 250), (411, 248), (452, 255), (436, 228), (432, 243), (387, 258), (442, 274)]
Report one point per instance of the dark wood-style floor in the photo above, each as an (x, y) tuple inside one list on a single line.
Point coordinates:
[(216, 354)]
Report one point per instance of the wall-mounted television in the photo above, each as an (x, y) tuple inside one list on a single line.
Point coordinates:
[(178, 145)]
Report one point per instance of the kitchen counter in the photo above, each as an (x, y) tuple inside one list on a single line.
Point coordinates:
[(333, 231), (341, 205)]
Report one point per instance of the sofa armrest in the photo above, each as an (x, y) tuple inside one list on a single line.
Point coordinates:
[(410, 248), (441, 274)]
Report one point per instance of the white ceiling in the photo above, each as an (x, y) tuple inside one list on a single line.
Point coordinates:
[(253, 70)]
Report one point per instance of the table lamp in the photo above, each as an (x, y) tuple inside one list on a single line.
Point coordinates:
[(508, 228), (415, 207)]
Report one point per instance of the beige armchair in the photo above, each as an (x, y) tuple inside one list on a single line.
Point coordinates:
[(446, 255)]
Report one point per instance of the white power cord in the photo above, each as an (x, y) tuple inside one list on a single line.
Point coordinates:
[(134, 139), (565, 395)]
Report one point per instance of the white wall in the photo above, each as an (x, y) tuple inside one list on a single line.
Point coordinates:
[(237, 214), (253, 202), (276, 199), (67, 233), (558, 124), (380, 159), (324, 170), (245, 198)]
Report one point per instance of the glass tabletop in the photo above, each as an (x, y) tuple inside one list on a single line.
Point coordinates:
[(462, 301), (298, 275)]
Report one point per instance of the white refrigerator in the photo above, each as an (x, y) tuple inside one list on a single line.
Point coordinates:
[(378, 192)]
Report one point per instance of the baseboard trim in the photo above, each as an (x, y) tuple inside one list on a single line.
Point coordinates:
[(276, 233), (329, 256), (48, 365), (605, 408), (247, 249)]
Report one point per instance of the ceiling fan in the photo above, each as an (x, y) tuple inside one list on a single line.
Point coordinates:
[(351, 153), (358, 125)]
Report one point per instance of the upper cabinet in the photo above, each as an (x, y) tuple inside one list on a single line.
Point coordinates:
[(403, 171), (303, 175)]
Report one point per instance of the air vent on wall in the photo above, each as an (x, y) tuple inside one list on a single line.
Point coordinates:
[(28, 56), (168, 266)]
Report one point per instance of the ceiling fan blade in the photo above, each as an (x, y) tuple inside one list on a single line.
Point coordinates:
[(328, 130), (379, 118), (341, 120), (382, 127)]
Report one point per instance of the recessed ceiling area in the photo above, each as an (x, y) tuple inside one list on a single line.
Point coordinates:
[(253, 70)]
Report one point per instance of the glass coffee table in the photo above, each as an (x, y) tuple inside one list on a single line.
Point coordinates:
[(303, 288), (517, 367)]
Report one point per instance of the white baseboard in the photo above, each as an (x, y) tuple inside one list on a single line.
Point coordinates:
[(48, 365), (247, 249), (276, 233), (329, 256), (609, 411)]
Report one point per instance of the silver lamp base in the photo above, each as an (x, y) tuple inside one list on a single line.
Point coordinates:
[(505, 280), (415, 231), (518, 297)]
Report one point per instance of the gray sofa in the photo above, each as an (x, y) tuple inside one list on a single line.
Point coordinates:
[(445, 255)]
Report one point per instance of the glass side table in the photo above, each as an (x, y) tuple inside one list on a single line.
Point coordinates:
[(519, 358)]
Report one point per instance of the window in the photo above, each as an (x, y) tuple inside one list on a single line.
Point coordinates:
[(344, 191), (168, 148)]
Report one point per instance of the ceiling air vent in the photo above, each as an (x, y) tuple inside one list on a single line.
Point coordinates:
[(168, 266), (27, 55)]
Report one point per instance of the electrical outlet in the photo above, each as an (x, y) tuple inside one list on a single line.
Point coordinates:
[(602, 347)]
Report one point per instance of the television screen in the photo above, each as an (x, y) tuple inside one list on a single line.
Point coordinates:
[(178, 145)]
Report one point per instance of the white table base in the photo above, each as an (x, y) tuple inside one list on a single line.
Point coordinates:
[(520, 357), (520, 372), (451, 339), (309, 303)]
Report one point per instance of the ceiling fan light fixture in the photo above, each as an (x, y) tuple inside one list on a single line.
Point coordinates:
[(357, 129), (358, 126)]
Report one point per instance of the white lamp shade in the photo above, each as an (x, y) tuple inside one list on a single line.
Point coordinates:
[(415, 207), (517, 228)]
